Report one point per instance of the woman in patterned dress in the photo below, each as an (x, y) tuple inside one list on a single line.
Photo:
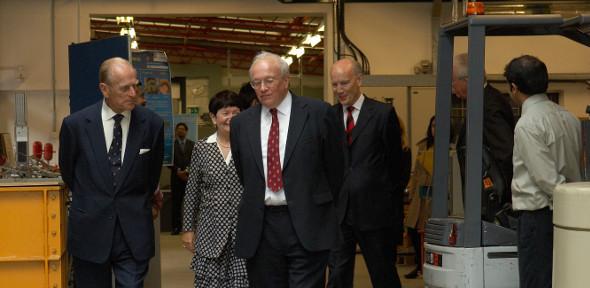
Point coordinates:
[(210, 208)]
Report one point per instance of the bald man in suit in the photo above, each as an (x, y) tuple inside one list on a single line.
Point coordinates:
[(110, 158)]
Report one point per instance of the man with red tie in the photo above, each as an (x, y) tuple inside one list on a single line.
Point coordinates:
[(286, 154), (370, 208)]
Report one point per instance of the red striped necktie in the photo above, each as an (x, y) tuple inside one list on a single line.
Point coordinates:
[(349, 124)]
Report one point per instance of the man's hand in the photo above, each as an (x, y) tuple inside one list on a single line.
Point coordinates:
[(182, 174), (157, 203), (187, 241)]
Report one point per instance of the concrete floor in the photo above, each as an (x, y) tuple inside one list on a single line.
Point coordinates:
[(176, 274)]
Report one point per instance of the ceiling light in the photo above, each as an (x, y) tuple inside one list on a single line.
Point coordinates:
[(315, 39), (307, 39), (287, 59), (297, 51), (124, 19), (132, 33)]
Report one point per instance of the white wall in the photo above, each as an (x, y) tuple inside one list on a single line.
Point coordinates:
[(395, 37)]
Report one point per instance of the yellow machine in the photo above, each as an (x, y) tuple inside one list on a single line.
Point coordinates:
[(33, 234)]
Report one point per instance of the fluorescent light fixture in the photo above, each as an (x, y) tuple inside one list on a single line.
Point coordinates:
[(132, 33), (296, 51), (287, 59), (315, 39), (134, 44), (124, 19), (307, 39)]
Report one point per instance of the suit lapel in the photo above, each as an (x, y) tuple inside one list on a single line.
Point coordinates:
[(253, 132), (95, 132), (135, 136), (365, 116), (298, 117)]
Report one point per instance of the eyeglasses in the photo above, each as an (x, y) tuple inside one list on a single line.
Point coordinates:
[(256, 84)]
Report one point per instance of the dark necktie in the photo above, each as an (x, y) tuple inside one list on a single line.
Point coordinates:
[(114, 154), (274, 179), (349, 124), (181, 144)]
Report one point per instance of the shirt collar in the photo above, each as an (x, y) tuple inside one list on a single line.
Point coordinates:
[(283, 108), (107, 113), (212, 138), (532, 100), (358, 104)]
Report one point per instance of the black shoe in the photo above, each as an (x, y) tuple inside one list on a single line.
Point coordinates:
[(413, 274)]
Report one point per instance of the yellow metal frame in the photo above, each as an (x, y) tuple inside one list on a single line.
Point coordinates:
[(33, 235)]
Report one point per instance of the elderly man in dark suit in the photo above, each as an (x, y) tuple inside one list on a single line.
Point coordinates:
[(370, 207), (110, 158), (498, 129), (287, 157)]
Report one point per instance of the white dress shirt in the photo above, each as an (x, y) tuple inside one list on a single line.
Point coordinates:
[(108, 123), (357, 110), (283, 114), (547, 145)]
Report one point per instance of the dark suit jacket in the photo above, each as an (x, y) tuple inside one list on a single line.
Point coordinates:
[(373, 169), (498, 134), (312, 175), (95, 203), (182, 160)]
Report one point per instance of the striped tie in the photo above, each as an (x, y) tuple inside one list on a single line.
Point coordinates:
[(349, 124)]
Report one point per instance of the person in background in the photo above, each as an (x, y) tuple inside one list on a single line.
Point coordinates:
[(249, 95), (370, 206), (420, 190), (498, 132), (183, 148), (164, 87), (547, 152), (287, 157), (140, 94), (111, 157), (211, 203)]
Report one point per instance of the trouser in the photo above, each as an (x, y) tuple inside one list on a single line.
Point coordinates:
[(535, 248)]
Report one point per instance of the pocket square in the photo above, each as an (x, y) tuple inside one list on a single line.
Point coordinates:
[(143, 151)]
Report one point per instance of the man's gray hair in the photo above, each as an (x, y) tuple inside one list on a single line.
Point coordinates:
[(283, 65), (461, 66), (357, 69), (106, 68)]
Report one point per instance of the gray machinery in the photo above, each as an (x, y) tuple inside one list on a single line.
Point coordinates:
[(469, 252)]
